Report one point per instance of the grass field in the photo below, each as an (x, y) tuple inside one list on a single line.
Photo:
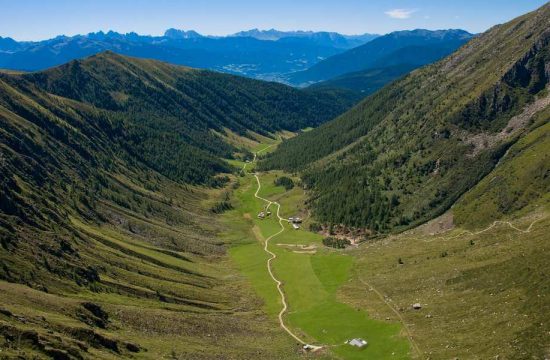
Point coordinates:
[(311, 281), (483, 296)]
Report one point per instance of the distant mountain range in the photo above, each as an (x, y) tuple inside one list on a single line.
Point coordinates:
[(257, 54), (388, 69), (181, 34), (322, 37), (412, 48), (360, 63)]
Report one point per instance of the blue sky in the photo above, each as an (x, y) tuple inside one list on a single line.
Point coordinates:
[(42, 19)]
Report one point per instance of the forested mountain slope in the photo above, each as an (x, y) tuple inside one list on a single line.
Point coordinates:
[(108, 175), (400, 47), (387, 69), (409, 151), (366, 82), (168, 107), (62, 128)]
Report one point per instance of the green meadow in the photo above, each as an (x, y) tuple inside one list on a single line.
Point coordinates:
[(311, 277)]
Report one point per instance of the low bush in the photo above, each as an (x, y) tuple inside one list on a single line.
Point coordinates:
[(336, 243), (284, 181)]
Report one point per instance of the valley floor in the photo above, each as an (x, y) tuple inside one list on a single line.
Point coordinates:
[(483, 293), (311, 275)]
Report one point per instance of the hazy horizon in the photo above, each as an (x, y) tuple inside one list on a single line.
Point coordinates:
[(218, 18), (223, 35)]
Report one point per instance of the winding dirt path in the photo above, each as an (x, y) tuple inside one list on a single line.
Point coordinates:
[(495, 223), (274, 256), (269, 266)]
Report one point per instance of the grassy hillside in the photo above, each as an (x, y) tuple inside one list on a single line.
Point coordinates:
[(407, 153), (518, 185), (483, 295), (486, 278), (111, 171)]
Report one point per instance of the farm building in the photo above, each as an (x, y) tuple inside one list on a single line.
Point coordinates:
[(295, 226), (295, 219), (357, 342), (261, 215)]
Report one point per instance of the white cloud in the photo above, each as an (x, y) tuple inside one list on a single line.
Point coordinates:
[(400, 13)]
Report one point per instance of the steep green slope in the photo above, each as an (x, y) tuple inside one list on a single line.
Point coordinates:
[(408, 152), (109, 171), (518, 185)]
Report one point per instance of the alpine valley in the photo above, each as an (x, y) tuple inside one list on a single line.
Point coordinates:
[(160, 200)]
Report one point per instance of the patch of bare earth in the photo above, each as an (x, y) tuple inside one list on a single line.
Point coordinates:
[(353, 235), (301, 249), (517, 123), (439, 225)]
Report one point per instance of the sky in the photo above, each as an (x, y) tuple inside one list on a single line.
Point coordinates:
[(43, 19)]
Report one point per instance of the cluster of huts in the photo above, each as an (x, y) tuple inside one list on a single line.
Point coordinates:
[(263, 214), (295, 221)]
